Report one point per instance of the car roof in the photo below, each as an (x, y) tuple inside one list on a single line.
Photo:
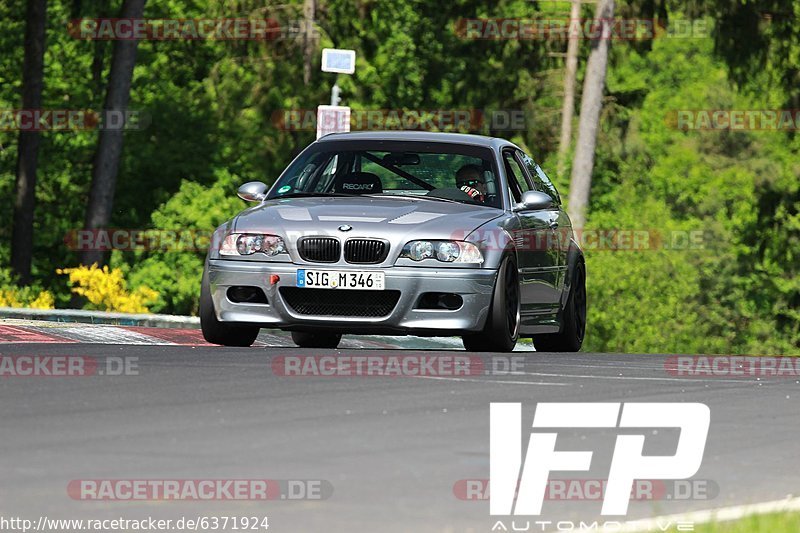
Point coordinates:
[(418, 136)]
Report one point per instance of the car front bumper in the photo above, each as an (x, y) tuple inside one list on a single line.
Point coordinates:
[(475, 287)]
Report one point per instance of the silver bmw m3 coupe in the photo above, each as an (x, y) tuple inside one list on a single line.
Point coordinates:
[(400, 233)]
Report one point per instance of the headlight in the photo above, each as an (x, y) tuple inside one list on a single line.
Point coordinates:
[(445, 251), (248, 244), (418, 250)]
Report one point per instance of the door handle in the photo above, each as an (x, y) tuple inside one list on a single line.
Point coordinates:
[(553, 224)]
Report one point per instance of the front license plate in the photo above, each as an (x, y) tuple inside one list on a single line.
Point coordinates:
[(340, 279)]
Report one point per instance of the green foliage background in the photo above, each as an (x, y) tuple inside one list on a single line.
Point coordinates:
[(213, 105)]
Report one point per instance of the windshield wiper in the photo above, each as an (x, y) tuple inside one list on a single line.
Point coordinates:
[(422, 197), (311, 194)]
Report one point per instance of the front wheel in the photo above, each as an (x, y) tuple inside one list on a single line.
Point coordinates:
[(305, 339), (502, 325), (217, 332), (573, 323)]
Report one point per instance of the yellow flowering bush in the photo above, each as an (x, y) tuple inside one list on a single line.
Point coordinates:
[(26, 297), (14, 295), (107, 290)]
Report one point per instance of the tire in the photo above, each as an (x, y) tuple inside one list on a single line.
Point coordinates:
[(502, 325), (305, 339), (573, 323), (217, 332)]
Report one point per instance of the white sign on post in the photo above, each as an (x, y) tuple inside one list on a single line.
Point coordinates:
[(332, 119), (340, 61)]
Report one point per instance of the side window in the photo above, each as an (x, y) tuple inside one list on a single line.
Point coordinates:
[(550, 188), (540, 180), (516, 177)]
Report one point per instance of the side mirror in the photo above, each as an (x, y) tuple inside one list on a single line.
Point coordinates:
[(534, 201), (253, 191)]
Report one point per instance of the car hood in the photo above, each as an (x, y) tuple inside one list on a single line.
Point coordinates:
[(389, 218)]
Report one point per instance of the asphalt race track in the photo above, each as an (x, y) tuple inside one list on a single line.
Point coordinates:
[(389, 452)]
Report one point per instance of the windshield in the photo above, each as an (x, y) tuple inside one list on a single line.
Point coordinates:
[(460, 174)]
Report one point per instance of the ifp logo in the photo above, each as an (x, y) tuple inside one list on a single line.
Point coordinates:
[(510, 476)]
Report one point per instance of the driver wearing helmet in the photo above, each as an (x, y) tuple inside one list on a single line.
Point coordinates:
[(470, 180)]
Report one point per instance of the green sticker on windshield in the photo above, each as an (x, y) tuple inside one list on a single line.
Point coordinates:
[(284, 189)]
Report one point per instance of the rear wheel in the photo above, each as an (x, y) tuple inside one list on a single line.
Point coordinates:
[(573, 322), (217, 332), (306, 339), (502, 325)]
